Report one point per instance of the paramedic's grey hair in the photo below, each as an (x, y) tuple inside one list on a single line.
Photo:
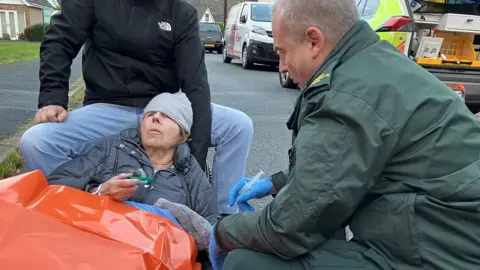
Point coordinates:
[(333, 17)]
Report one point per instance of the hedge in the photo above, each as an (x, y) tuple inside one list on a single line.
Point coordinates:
[(35, 32), (221, 26)]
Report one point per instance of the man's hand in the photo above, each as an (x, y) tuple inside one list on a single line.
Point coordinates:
[(119, 187), (51, 114), (259, 189)]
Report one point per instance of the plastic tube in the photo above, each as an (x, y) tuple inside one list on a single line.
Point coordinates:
[(257, 177)]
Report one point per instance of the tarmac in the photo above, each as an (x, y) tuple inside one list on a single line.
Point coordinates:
[(19, 88)]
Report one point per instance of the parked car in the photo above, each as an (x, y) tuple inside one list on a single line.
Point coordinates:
[(248, 35), (211, 36)]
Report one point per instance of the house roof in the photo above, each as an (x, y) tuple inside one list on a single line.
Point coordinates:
[(39, 3), (218, 17), (43, 4)]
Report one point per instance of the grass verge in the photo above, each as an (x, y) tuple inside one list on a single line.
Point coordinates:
[(13, 161), (16, 51), (11, 165), (76, 99)]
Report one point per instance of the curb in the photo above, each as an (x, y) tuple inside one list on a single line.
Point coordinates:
[(76, 89), (11, 143)]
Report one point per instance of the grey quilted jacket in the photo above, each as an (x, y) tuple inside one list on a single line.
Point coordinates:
[(184, 183)]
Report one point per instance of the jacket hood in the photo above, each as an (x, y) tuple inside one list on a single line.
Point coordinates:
[(181, 158)]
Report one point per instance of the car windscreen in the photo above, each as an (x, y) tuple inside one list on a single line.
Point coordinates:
[(367, 7), (261, 12), (209, 27)]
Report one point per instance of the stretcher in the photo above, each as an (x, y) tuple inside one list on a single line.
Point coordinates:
[(58, 227)]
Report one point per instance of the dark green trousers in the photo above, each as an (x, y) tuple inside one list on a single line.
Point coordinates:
[(334, 254)]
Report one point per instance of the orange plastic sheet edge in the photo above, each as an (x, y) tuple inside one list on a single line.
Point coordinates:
[(58, 227)]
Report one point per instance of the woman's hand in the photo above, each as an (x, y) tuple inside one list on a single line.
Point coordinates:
[(119, 187)]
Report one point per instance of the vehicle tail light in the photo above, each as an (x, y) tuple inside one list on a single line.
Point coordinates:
[(460, 90), (395, 24)]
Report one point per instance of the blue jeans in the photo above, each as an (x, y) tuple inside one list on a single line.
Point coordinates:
[(46, 146)]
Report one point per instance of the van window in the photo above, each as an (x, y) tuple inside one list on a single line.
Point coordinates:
[(261, 12), (244, 11), (209, 27), (367, 7)]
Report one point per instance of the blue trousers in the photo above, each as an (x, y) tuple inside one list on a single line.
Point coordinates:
[(155, 210)]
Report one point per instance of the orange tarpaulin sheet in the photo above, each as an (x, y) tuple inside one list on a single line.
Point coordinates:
[(58, 227)]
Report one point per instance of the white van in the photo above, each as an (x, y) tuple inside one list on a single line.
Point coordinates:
[(248, 35)]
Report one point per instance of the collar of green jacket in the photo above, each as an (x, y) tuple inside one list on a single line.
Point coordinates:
[(360, 36)]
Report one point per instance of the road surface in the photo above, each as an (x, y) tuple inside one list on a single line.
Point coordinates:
[(258, 94), (19, 85)]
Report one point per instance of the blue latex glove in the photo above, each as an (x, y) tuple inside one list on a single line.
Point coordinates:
[(216, 255), (155, 210), (261, 188)]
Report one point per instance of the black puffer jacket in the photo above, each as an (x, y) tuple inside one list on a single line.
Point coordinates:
[(186, 183)]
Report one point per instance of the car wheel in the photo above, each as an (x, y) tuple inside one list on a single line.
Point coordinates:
[(220, 50), (246, 62), (285, 80), (226, 59)]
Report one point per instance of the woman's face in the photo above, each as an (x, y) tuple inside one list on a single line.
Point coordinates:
[(160, 131)]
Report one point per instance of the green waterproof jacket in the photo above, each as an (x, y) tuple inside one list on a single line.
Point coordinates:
[(384, 146)]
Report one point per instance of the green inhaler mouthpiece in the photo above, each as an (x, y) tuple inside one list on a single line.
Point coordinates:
[(147, 180)]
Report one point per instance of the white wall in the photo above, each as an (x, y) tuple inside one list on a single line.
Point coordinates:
[(210, 18)]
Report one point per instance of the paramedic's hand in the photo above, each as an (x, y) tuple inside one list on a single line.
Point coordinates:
[(51, 114), (119, 187), (261, 188), (216, 254)]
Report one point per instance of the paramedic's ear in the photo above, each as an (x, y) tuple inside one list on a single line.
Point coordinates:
[(316, 40)]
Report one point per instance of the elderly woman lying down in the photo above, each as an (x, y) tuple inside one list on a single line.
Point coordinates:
[(157, 151)]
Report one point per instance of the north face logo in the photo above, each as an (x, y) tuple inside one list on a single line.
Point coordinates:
[(165, 26)]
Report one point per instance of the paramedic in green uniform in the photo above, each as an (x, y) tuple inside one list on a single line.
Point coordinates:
[(379, 144)]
